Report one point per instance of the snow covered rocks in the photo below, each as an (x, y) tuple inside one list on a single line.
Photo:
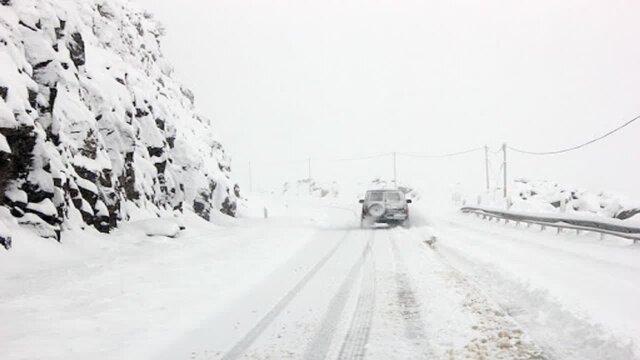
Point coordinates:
[(546, 197), (423, 233), (428, 235), (91, 120)]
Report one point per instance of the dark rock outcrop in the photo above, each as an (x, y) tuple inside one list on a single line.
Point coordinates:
[(626, 214), (5, 241), (76, 49), (92, 123)]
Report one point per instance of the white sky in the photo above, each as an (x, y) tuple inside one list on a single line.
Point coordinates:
[(290, 79)]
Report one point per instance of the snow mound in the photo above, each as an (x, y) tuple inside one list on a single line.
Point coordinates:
[(91, 120), (422, 233), (546, 197), (156, 227)]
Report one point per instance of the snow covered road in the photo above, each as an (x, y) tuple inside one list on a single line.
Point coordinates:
[(308, 284), (577, 296), (375, 294)]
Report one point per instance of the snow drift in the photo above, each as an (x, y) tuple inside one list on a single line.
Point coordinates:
[(91, 120), (546, 197)]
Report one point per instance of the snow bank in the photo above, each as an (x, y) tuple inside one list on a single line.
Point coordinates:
[(156, 227), (126, 295), (545, 197), (91, 119)]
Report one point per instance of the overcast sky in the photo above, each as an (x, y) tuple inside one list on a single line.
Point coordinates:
[(291, 79)]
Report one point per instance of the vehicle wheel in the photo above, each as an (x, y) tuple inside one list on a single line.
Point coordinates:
[(406, 224), (376, 210)]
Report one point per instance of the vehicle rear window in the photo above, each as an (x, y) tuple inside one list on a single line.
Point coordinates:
[(375, 196), (394, 196)]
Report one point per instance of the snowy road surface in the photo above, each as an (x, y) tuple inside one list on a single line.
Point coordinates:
[(307, 284), (353, 294)]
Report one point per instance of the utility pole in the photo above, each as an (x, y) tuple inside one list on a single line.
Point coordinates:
[(309, 168), (395, 169), (486, 165), (504, 166)]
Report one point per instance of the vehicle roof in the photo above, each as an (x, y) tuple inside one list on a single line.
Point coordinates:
[(385, 190)]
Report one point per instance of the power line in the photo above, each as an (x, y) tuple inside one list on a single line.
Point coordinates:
[(578, 146), (427, 156), (368, 157), (353, 158), (280, 162)]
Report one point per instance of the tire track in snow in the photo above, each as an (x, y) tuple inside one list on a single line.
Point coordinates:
[(408, 303), (320, 345), (354, 345), (499, 336), (241, 346)]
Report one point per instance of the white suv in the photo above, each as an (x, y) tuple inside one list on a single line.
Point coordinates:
[(386, 207)]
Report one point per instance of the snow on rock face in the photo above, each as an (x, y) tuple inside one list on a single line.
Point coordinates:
[(6, 221), (90, 118)]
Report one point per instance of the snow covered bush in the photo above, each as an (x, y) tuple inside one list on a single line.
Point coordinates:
[(347, 190), (310, 187), (91, 119), (383, 184)]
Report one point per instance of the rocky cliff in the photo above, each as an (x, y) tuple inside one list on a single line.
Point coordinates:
[(92, 125)]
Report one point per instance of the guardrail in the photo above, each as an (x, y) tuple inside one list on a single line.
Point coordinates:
[(560, 222)]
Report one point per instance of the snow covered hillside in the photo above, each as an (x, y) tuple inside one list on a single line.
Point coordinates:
[(92, 125)]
